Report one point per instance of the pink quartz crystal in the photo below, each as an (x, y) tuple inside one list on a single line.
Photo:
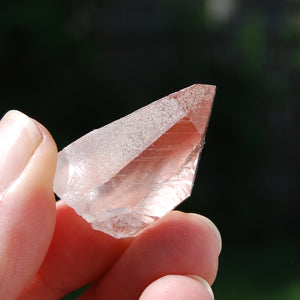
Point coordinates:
[(127, 174)]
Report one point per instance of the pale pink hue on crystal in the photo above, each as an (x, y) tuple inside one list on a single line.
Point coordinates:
[(127, 174)]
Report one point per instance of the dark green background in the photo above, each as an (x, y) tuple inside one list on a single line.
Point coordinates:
[(77, 65)]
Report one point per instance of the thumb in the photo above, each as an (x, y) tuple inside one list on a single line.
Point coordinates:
[(27, 204)]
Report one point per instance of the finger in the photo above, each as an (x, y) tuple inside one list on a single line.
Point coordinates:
[(77, 256), (179, 244), (27, 204), (177, 287)]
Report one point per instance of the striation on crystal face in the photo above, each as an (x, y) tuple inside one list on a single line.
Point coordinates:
[(127, 174)]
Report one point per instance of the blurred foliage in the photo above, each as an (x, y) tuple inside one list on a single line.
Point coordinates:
[(76, 66)]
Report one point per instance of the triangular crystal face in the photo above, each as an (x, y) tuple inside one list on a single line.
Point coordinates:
[(127, 174)]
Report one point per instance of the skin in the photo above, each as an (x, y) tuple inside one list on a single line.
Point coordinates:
[(47, 250)]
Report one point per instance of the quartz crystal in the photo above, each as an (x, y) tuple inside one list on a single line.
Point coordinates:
[(123, 176)]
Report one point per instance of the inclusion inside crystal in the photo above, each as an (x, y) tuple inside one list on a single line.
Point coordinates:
[(120, 195), (155, 166)]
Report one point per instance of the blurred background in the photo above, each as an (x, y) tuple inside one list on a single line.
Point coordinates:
[(78, 65)]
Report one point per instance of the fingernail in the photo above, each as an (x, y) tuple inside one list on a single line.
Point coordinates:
[(19, 137), (203, 283), (213, 227)]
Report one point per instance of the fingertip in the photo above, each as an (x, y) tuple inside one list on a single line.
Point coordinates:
[(178, 287), (194, 224), (211, 225), (27, 215), (204, 283)]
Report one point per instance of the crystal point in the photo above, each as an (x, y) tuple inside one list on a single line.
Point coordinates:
[(127, 174)]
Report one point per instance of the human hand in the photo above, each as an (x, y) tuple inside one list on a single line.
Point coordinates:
[(47, 250)]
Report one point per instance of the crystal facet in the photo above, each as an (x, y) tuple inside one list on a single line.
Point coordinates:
[(127, 174)]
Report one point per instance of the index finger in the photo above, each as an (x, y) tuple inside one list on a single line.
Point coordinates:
[(78, 255)]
